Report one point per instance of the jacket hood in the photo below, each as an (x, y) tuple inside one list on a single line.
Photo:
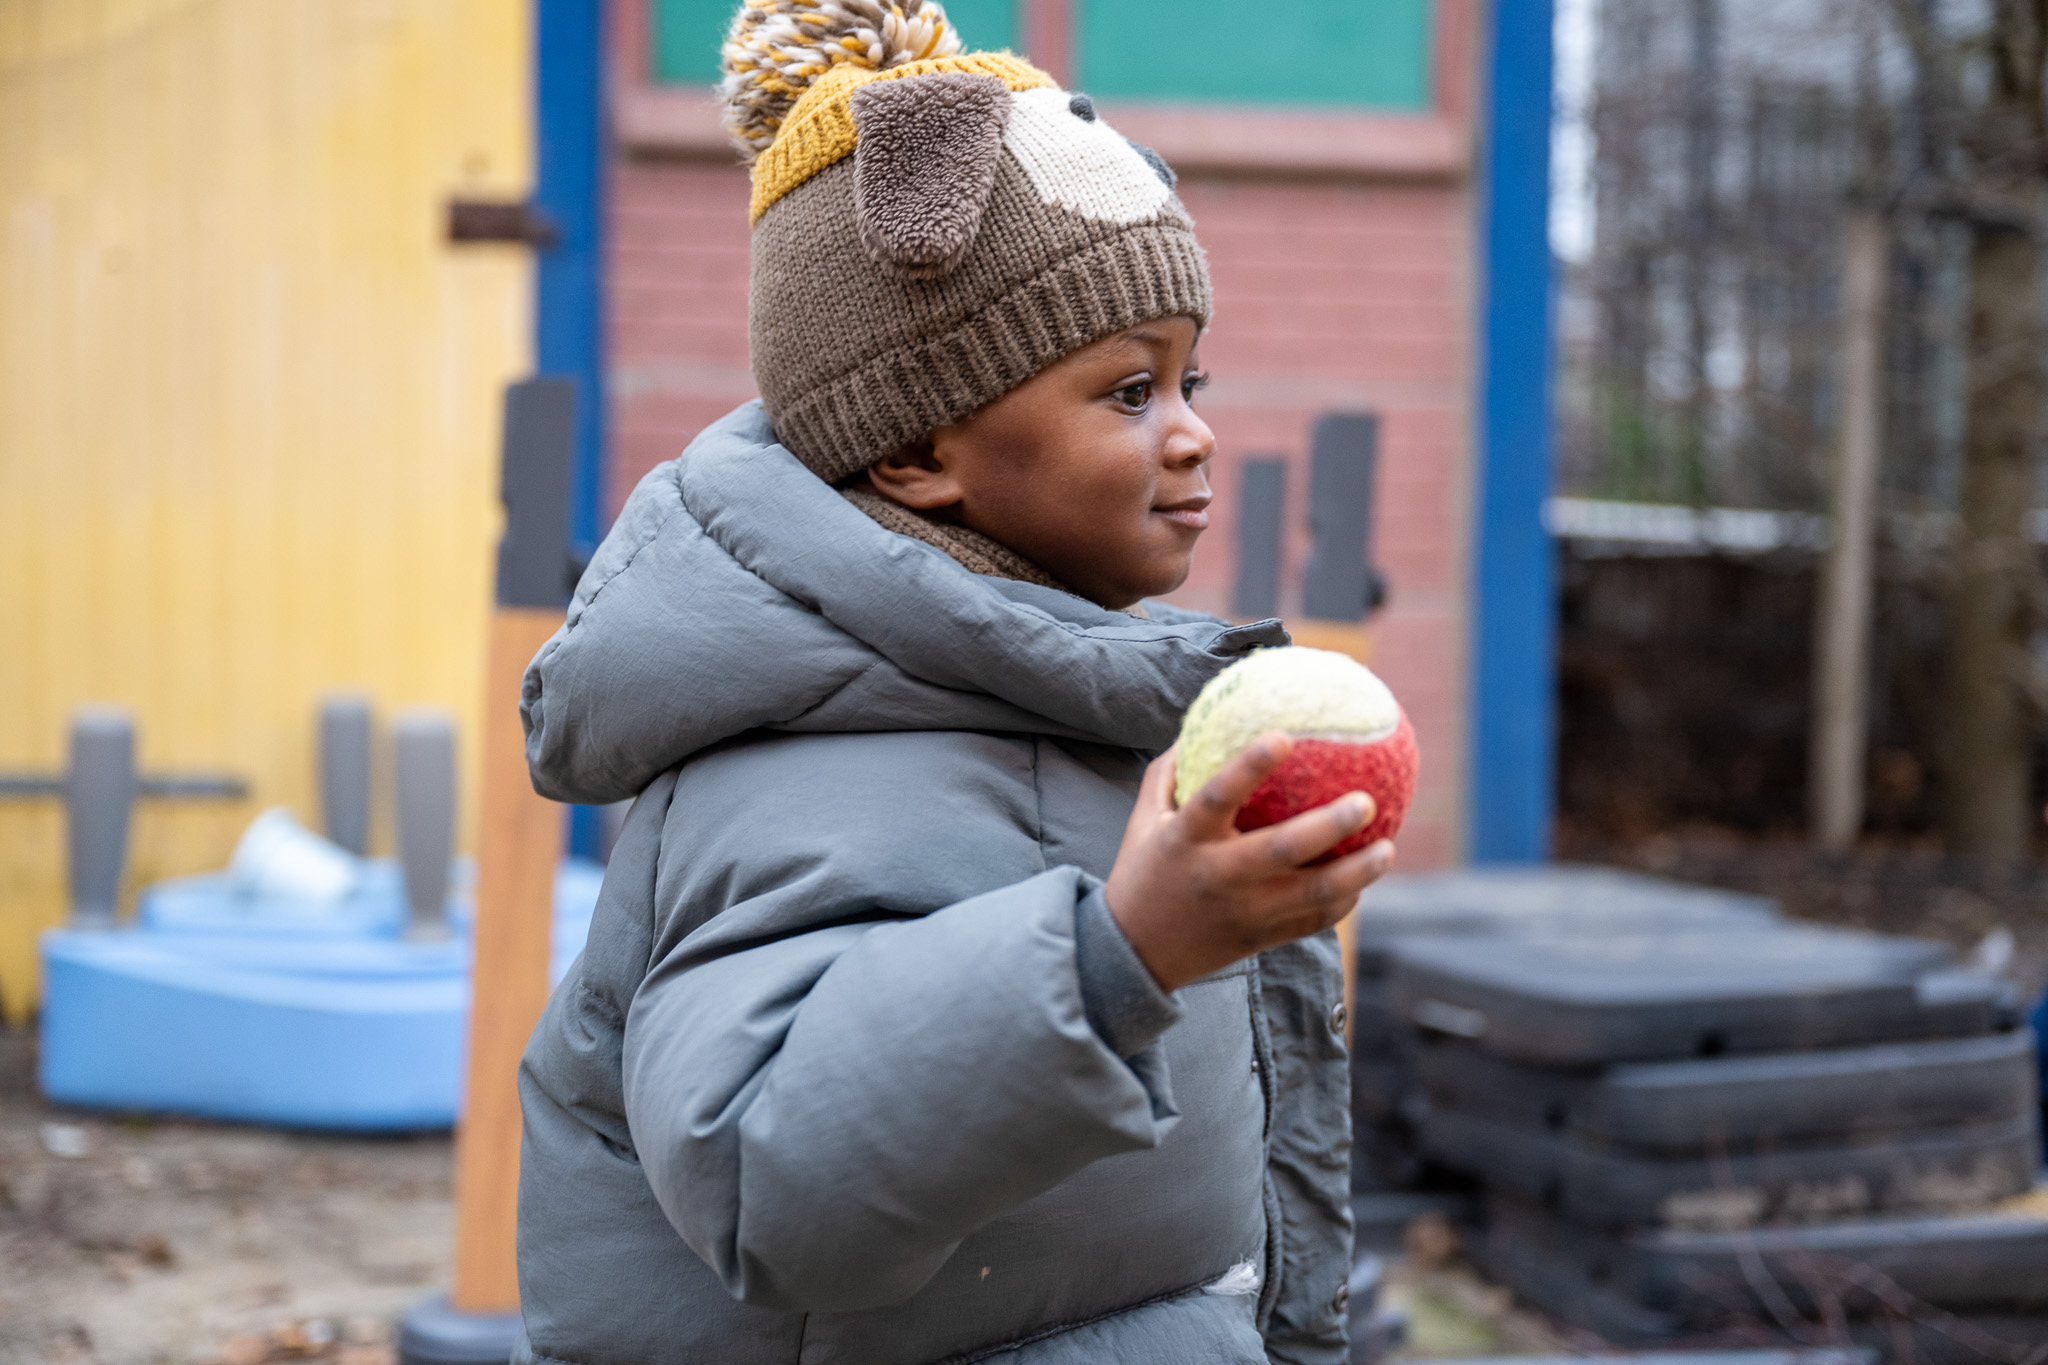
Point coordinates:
[(739, 591)]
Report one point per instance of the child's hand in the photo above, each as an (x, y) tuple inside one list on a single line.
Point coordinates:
[(1194, 895)]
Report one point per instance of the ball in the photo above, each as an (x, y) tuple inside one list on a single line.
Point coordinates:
[(1349, 735)]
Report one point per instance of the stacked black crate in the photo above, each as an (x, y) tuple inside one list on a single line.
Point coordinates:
[(1482, 902), (1733, 1129)]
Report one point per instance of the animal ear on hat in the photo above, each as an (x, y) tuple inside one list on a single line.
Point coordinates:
[(924, 161)]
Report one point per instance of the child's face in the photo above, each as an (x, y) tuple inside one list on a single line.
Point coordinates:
[(1091, 469)]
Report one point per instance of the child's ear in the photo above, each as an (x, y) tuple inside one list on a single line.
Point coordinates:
[(915, 477), (923, 166)]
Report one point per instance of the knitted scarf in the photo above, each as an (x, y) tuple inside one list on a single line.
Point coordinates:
[(971, 549)]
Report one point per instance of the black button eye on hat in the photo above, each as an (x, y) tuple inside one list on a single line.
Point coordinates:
[(1083, 108)]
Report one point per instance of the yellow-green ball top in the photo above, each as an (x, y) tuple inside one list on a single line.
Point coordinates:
[(1308, 693)]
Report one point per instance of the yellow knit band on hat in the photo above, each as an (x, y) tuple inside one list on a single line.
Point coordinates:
[(819, 129)]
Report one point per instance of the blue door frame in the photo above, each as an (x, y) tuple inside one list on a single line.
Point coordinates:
[(568, 312), (569, 157), (1513, 747)]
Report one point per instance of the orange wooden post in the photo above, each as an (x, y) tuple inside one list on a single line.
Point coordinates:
[(519, 843), (1342, 637), (1339, 588), (1353, 638), (518, 847)]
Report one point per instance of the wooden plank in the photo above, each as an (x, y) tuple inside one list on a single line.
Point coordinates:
[(248, 396), (1342, 637), (519, 843)]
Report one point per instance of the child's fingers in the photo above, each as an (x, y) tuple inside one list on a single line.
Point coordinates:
[(1315, 898), (1337, 885), (1379, 860), (1155, 792), (1210, 811), (1343, 881), (1154, 804), (1277, 849)]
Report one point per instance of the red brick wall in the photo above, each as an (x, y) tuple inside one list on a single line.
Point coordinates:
[(677, 309), (1329, 297), (1354, 298)]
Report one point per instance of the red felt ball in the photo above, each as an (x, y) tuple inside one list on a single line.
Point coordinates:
[(1318, 771)]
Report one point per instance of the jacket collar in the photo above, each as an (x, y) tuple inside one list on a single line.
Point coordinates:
[(1090, 670)]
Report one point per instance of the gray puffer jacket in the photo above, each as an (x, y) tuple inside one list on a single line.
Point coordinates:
[(857, 1067)]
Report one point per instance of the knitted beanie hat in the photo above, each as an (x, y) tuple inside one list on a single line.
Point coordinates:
[(931, 227)]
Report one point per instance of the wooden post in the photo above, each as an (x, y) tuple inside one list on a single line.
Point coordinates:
[(518, 846), (1339, 637), (1842, 636), (1261, 537), (519, 842), (1353, 638), (1340, 588)]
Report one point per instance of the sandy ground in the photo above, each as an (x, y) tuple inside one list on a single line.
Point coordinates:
[(144, 1241)]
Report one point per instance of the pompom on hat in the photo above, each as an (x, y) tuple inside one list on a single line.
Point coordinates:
[(931, 226)]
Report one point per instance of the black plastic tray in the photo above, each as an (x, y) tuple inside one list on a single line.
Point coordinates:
[(1979, 1262), (1593, 999), (1546, 899), (1668, 1289), (1937, 1169), (1768, 1098)]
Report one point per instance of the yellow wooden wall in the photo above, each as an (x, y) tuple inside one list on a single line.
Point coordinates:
[(248, 393)]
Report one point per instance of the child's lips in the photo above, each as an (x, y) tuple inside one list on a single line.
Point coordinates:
[(1193, 514)]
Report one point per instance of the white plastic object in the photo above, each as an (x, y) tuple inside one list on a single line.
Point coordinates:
[(278, 858)]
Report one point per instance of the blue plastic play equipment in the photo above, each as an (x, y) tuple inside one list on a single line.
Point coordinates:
[(314, 1015)]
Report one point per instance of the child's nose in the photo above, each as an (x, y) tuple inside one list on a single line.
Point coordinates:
[(1191, 443)]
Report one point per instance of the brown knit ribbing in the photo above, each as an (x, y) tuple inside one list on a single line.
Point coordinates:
[(968, 548), (971, 549)]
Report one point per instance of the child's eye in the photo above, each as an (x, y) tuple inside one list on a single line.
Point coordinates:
[(1192, 385), (1136, 395)]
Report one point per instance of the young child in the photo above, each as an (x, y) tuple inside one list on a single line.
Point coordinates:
[(902, 1034)]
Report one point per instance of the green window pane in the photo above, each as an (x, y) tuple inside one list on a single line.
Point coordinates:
[(1372, 54), (685, 34), (985, 25)]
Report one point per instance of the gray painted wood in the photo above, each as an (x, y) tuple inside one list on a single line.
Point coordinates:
[(99, 801), (345, 724), (423, 771), (534, 563), (1261, 511), (1344, 454)]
